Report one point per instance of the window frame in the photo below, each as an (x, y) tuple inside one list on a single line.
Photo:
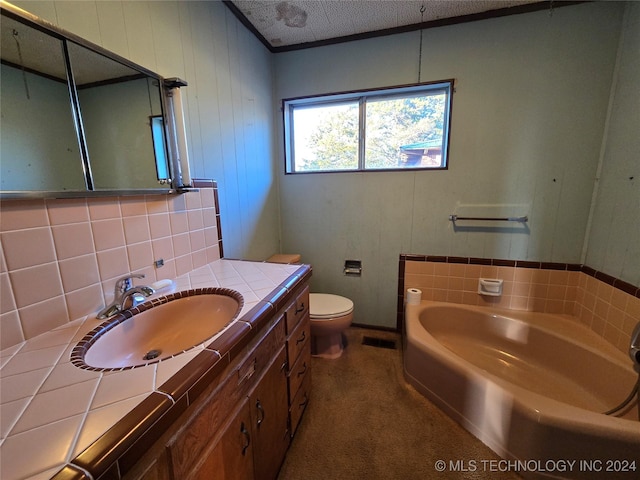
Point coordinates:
[(361, 97)]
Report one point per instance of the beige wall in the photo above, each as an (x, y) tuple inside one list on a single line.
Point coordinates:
[(529, 115)]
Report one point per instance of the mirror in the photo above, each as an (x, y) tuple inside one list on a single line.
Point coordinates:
[(77, 120), (117, 104), (38, 137)]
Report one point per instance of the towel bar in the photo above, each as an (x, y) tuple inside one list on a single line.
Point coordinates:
[(455, 218)]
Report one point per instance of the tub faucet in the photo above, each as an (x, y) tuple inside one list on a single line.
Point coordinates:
[(125, 296), (634, 348)]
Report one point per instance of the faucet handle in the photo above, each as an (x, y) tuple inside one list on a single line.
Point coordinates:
[(125, 283)]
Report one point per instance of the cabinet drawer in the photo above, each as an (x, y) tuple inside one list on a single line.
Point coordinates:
[(298, 340), (299, 371), (261, 357), (299, 403), (297, 309)]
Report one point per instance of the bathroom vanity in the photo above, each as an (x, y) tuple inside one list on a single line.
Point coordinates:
[(225, 409), (241, 425)]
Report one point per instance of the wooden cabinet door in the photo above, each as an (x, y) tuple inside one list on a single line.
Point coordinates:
[(232, 457), (269, 415)]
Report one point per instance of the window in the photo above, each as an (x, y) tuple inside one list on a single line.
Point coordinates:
[(392, 129)]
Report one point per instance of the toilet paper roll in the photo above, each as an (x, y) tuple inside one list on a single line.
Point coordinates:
[(414, 296)]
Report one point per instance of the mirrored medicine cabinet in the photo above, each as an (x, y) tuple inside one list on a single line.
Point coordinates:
[(77, 120)]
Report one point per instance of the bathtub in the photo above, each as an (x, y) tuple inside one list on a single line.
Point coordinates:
[(530, 386)]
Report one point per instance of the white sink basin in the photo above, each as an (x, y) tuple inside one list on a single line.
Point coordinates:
[(162, 331)]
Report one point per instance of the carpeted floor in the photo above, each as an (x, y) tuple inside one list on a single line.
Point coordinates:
[(365, 422)]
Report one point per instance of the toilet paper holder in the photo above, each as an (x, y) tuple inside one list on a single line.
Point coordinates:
[(353, 268)]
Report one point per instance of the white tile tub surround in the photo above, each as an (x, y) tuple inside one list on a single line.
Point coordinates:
[(51, 410)]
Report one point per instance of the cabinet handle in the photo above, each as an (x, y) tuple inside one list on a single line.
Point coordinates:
[(261, 412), (302, 338), (301, 309), (247, 438), (304, 369)]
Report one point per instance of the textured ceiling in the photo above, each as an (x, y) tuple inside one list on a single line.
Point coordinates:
[(284, 23)]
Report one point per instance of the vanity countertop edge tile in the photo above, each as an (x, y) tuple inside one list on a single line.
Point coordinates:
[(93, 438)]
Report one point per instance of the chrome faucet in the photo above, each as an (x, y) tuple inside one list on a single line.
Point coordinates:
[(125, 296)]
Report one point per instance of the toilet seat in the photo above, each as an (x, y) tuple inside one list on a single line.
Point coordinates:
[(325, 306)]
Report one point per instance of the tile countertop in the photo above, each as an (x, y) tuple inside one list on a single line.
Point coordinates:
[(55, 415)]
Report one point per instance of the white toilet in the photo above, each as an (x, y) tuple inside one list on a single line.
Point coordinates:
[(330, 316)]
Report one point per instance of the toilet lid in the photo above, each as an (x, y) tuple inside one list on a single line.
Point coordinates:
[(325, 305)]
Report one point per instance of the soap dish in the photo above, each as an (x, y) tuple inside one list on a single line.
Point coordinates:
[(491, 287)]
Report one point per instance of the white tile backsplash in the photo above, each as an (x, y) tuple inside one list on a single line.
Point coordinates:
[(62, 257)]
